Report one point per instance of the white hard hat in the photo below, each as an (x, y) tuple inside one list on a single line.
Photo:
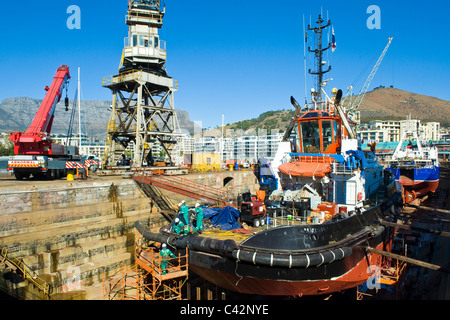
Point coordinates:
[(177, 220), (164, 245), (183, 201), (197, 204)]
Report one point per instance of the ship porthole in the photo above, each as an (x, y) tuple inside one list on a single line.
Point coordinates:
[(313, 237)]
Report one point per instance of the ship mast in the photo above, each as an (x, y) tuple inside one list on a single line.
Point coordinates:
[(319, 63)]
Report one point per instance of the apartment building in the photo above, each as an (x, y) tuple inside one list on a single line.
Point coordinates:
[(391, 131), (248, 148)]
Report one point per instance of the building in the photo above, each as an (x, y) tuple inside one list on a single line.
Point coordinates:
[(370, 135), (381, 131), (391, 131), (248, 148), (431, 131), (90, 146)]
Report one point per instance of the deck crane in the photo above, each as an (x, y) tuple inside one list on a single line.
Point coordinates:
[(34, 152), (352, 109)]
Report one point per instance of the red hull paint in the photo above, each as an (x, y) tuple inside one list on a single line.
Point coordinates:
[(247, 285), (421, 188)]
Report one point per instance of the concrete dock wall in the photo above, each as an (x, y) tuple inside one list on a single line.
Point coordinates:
[(73, 233)]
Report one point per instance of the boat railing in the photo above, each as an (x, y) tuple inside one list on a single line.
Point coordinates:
[(342, 168), (319, 158), (283, 217)]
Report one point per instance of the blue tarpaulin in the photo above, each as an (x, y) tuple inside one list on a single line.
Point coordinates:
[(224, 218)]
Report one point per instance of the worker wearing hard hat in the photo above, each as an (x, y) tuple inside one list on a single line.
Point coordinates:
[(199, 216), (165, 254), (185, 212), (178, 226)]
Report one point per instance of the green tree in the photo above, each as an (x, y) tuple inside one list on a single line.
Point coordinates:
[(7, 150)]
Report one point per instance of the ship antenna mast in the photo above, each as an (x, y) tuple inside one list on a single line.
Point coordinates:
[(319, 72)]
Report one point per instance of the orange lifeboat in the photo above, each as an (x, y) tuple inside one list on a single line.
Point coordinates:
[(305, 169)]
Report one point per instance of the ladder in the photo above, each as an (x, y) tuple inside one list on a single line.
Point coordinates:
[(19, 267), (163, 203), (186, 187)]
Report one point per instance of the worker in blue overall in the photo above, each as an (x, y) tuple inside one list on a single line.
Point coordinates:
[(165, 255), (178, 226), (199, 217), (185, 212)]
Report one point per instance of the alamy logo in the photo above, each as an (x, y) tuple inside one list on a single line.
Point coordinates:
[(74, 20), (374, 21), (374, 280), (73, 279)]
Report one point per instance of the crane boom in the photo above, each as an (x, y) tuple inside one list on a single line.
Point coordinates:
[(44, 118), (34, 152), (355, 105), (34, 140)]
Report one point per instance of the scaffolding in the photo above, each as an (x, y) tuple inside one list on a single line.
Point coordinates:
[(148, 279), (123, 285), (391, 274)]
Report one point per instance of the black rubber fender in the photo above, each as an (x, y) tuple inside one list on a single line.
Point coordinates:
[(228, 248), (158, 237), (220, 247), (291, 260)]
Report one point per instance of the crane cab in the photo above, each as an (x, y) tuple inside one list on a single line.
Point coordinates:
[(143, 48)]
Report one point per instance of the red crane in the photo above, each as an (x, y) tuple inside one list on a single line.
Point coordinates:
[(34, 152), (36, 141)]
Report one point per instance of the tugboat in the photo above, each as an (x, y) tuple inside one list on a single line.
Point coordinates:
[(415, 166), (332, 198)]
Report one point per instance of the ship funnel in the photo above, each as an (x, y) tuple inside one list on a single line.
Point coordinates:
[(338, 97)]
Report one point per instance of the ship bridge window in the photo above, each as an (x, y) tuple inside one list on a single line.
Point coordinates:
[(335, 131), (310, 135), (327, 134), (311, 115)]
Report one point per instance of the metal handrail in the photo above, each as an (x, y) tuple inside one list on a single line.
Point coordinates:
[(155, 260), (137, 74), (158, 17), (27, 273)]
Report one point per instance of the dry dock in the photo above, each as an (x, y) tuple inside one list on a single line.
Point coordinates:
[(68, 234), (421, 283)]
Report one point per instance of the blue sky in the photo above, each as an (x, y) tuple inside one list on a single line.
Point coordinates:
[(238, 58)]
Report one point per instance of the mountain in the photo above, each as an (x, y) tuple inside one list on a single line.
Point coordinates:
[(378, 104), (395, 104), (18, 113)]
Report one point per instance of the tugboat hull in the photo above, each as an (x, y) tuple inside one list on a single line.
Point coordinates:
[(251, 278), (227, 274), (296, 260)]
